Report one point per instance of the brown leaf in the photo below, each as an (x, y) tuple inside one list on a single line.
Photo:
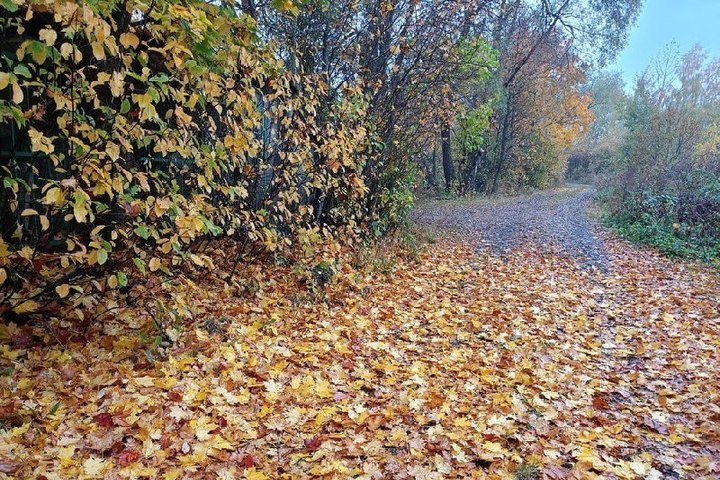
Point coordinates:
[(8, 466), (600, 402), (555, 472), (128, 457), (655, 425), (312, 444), (104, 420)]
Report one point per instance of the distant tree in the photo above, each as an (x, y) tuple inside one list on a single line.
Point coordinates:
[(561, 31), (600, 146)]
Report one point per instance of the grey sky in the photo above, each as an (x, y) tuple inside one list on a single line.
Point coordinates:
[(685, 22)]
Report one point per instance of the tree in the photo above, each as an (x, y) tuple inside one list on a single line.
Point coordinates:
[(560, 31), (598, 149)]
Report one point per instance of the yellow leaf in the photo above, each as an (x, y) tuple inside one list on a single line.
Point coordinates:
[(252, 474), (65, 454), (63, 290), (40, 143), (219, 443), (173, 474), (54, 196), (66, 49), (17, 94), (80, 212), (462, 422), (145, 381), (341, 347), (165, 383), (17, 431), (129, 40), (26, 306), (324, 389), (117, 84), (3, 276), (101, 256), (4, 80), (98, 50), (639, 467), (94, 466), (48, 36), (155, 264), (166, 247), (202, 427)]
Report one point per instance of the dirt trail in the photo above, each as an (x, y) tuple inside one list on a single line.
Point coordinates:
[(652, 322), (553, 221)]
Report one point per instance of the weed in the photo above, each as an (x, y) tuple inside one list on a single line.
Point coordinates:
[(527, 471)]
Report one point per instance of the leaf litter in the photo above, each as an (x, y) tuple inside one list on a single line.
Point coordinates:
[(460, 363)]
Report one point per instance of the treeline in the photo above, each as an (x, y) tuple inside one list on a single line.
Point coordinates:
[(656, 153), (138, 137)]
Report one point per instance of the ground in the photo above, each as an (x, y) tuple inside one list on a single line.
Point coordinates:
[(555, 220), (523, 343)]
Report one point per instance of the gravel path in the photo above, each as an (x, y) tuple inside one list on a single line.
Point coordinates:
[(552, 220)]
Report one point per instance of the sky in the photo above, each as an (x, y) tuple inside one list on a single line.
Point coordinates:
[(685, 22)]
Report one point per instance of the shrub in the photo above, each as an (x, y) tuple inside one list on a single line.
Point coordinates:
[(134, 132)]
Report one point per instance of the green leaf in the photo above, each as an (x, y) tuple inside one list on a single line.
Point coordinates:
[(38, 51), (9, 5), (140, 264), (102, 256), (153, 94), (142, 232), (122, 279), (160, 78), (22, 70), (125, 107), (287, 6)]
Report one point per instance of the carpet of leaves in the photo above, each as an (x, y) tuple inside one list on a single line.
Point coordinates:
[(460, 364)]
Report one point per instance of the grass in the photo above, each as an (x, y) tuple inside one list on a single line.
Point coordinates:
[(670, 239), (408, 242)]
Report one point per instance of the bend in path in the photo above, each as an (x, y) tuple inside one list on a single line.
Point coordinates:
[(553, 221)]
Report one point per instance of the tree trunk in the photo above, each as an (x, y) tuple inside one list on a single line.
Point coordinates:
[(503, 145), (448, 168), (433, 168), (473, 170), (249, 8)]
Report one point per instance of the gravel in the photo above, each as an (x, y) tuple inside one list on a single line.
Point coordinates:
[(553, 220)]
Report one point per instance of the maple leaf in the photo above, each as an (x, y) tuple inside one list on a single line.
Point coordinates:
[(128, 457), (202, 428), (253, 474), (104, 420), (312, 444), (96, 466), (600, 402), (8, 466)]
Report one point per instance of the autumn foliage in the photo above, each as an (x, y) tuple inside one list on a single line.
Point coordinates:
[(134, 133), (141, 139)]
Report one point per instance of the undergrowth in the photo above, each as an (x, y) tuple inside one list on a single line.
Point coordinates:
[(672, 239), (382, 256)]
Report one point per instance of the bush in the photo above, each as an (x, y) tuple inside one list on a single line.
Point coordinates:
[(663, 222), (134, 132)]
